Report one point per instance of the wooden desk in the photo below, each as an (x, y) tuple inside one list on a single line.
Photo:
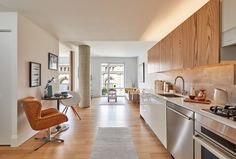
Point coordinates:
[(58, 99)]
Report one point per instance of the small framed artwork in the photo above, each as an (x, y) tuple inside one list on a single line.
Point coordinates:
[(142, 72), (34, 74), (52, 61)]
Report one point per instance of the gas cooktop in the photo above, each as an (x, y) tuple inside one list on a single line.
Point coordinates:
[(227, 111)]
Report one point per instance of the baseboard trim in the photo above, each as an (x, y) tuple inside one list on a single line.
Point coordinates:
[(17, 140)]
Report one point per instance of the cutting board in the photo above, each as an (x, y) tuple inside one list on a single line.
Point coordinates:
[(197, 101)]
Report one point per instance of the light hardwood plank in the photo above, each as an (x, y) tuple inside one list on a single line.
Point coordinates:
[(81, 135)]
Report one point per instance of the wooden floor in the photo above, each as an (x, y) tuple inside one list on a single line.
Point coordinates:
[(80, 137)]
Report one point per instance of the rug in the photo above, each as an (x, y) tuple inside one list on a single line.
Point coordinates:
[(114, 143)]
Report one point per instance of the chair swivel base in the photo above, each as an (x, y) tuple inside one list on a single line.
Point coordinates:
[(60, 128), (48, 139)]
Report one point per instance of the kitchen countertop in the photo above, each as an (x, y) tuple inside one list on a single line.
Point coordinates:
[(195, 107)]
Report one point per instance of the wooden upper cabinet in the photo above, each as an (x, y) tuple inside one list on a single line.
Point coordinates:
[(154, 59), (196, 42), (168, 52), (177, 48), (162, 55), (165, 53), (150, 61), (208, 30), (189, 37), (157, 60)]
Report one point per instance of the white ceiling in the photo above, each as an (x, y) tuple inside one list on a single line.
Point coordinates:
[(110, 27)]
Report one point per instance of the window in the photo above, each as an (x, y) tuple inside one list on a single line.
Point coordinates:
[(112, 76)]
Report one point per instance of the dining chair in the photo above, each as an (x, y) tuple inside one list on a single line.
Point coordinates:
[(71, 103), (111, 95)]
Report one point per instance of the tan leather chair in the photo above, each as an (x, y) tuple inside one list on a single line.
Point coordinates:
[(43, 119)]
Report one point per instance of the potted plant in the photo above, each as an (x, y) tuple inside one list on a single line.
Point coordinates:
[(104, 91)]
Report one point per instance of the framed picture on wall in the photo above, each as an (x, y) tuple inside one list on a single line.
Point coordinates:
[(142, 72), (52, 61), (34, 74)]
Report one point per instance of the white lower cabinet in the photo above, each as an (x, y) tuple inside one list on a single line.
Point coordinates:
[(145, 113), (153, 111)]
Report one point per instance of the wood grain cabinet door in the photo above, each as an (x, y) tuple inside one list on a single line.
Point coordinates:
[(177, 48), (157, 57), (196, 42), (154, 59), (189, 36), (163, 56), (150, 61), (168, 52), (208, 30)]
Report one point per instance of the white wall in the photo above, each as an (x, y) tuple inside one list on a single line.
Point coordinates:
[(64, 52), (130, 71), (8, 74), (34, 44)]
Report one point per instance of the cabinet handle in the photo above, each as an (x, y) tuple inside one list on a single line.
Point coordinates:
[(186, 117), (5, 30)]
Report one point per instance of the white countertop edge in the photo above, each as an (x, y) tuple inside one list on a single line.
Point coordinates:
[(195, 107)]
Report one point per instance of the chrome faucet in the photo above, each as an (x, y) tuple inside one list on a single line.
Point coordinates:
[(183, 92)]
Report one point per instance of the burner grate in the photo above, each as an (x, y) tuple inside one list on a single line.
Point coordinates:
[(227, 111)]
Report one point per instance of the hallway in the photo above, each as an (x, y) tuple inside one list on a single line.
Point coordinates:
[(81, 135)]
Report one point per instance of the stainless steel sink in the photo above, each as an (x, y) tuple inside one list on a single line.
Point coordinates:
[(169, 95)]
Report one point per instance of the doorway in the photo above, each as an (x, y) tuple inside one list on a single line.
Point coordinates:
[(112, 76)]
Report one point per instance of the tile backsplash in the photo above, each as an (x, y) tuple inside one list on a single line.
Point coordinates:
[(208, 78)]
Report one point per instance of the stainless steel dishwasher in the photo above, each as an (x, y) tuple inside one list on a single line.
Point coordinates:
[(179, 131)]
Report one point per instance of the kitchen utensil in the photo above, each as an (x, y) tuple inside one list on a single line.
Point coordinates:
[(159, 86), (201, 95), (172, 91), (220, 96), (192, 93), (206, 101), (167, 86)]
